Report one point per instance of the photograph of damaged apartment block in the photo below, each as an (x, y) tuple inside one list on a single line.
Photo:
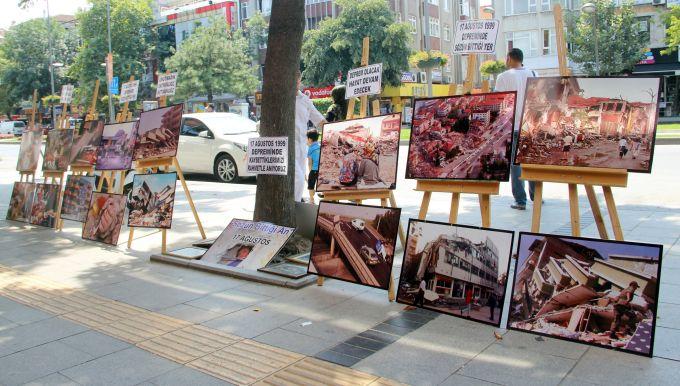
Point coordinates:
[(597, 292)]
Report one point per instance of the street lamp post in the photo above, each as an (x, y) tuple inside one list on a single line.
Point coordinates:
[(591, 9)]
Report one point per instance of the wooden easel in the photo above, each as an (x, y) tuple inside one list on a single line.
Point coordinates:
[(155, 165), (55, 176), (574, 176), (24, 175), (385, 196)]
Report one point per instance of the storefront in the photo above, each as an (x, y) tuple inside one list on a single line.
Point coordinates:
[(667, 67)]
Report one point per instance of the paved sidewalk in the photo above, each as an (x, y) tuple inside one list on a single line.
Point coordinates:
[(338, 319)]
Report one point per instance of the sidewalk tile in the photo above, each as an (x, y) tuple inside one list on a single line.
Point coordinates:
[(95, 343), (299, 343), (38, 362), (227, 301), (189, 343), (337, 358), (249, 323), (18, 313), (460, 380), (55, 379), (185, 376), (35, 334), (189, 313), (666, 342), (310, 371), (543, 345)]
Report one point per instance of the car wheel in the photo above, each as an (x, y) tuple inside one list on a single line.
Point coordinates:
[(225, 169)]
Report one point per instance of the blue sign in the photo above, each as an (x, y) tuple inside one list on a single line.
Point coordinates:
[(113, 86)]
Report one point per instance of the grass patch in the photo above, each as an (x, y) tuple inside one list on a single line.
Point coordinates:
[(405, 134), (668, 127)]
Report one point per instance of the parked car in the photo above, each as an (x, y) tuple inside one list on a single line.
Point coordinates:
[(358, 224), (12, 127), (215, 143), (369, 255)]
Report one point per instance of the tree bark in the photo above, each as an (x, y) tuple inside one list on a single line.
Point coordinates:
[(274, 201)]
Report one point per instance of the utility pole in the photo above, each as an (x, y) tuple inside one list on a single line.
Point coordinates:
[(49, 40), (109, 62)]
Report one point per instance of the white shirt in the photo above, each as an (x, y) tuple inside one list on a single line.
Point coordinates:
[(422, 285), (515, 79), (623, 142), (304, 111), (568, 140)]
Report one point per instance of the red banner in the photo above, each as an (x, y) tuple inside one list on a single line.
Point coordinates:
[(317, 93)]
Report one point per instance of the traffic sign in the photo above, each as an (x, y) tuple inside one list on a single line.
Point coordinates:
[(113, 87)]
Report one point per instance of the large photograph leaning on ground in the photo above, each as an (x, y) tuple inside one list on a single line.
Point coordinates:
[(456, 270), (591, 291), (360, 154), (355, 243), (594, 122), (462, 137)]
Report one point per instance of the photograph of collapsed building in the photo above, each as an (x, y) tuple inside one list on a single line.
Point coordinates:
[(21, 201), (593, 122), (360, 154), (29, 150), (591, 291), (355, 243), (116, 147), (57, 151), (77, 197), (152, 200), (104, 218), (462, 137), (158, 134), (457, 270), (44, 205), (86, 140), (247, 244)]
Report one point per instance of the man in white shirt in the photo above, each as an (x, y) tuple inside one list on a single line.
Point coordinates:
[(304, 112), (515, 79)]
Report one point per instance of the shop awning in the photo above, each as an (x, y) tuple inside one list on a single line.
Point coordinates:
[(659, 69)]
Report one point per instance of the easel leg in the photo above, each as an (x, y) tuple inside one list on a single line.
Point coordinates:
[(573, 210), (597, 214), (424, 205), (613, 213), (485, 209), (455, 203), (130, 237), (188, 195), (538, 203), (164, 246), (402, 235)]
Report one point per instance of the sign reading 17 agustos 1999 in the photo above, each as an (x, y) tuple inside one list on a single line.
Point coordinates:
[(268, 155), (364, 81), (475, 36)]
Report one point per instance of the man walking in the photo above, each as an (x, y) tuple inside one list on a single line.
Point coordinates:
[(622, 308), (420, 297), (515, 79), (304, 112), (492, 303)]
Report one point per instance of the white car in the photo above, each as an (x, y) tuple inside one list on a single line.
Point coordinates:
[(12, 127), (358, 224), (215, 143)]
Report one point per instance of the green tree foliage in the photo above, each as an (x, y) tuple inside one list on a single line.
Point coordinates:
[(26, 58), (335, 47), (213, 60), (257, 30), (130, 41), (672, 20), (619, 40)]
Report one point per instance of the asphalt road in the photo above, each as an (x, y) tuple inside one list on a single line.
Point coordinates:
[(380, 271)]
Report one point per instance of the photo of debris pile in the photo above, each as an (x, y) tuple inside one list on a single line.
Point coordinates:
[(86, 140), (104, 218), (152, 200), (44, 206), (158, 134), (456, 270), (591, 291), (21, 201), (29, 150), (465, 137), (57, 151), (360, 154), (77, 196), (117, 144), (591, 122), (355, 243)]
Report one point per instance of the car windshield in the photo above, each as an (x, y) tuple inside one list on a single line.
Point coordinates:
[(231, 124), (19, 124)]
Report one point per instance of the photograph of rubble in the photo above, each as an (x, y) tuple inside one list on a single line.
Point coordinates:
[(21, 201), (158, 134), (117, 144), (57, 151), (77, 197), (465, 137), (29, 150), (44, 205), (152, 200), (86, 140), (355, 243), (104, 218), (591, 291), (360, 154), (457, 270), (592, 122), (247, 244)]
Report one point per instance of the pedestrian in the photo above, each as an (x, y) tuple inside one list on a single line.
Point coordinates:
[(313, 153), (623, 147), (420, 296), (304, 112), (492, 303), (635, 148), (210, 108), (515, 79), (468, 300), (338, 110), (566, 145), (622, 307)]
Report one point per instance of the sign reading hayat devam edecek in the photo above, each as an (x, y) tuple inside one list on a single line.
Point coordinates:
[(128, 92), (66, 94), (167, 83), (268, 155), (364, 81), (475, 36)]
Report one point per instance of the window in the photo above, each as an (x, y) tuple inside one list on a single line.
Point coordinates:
[(434, 27), (191, 127), (545, 5), (447, 33), (524, 40), (434, 2), (464, 7), (549, 39), (398, 17), (447, 68), (644, 25), (244, 10), (518, 7), (414, 24), (446, 5)]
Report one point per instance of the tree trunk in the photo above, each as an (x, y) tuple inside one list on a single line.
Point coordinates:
[(274, 201)]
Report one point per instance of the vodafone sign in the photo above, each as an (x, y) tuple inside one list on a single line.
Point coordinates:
[(317, 93)]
